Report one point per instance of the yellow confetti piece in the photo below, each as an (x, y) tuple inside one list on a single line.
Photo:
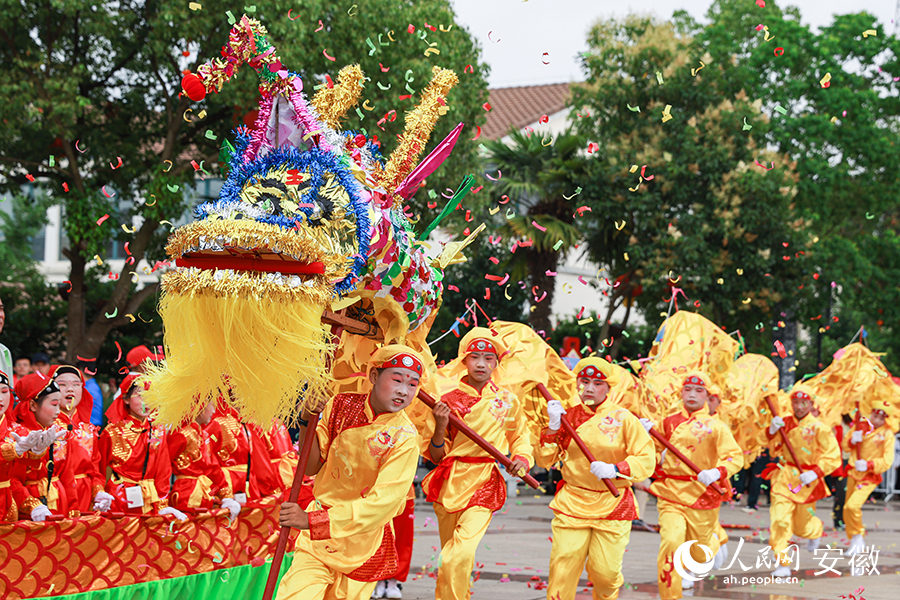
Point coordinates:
[(621, 226), (747, 301), (202, 114), (740, 271), (667, 113), (195, 6), (131, 317), (99, 260), (633, 169), (126, 230), (166, 222), (586, 321), (494, 211), (869, 32), (720, 281), (626, 256)]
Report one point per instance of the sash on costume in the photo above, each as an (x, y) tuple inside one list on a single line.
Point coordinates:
[(441, 473)]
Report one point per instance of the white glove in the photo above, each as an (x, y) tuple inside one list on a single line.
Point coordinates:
[(102, 501), (856, 437), (709, 476), (233, 507), (39, 513), (807, 477), (555, 411), (48, 437), (174, 512), (602, 470), (862, 465), (648, 424), (777, 423), (27, 443)]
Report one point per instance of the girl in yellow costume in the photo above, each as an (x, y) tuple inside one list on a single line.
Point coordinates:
[(366, 459), (872, 453), (467, 487), (590, 525), (688, 509), (795, 488)]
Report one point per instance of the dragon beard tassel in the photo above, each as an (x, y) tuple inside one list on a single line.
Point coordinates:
[(272, 351)]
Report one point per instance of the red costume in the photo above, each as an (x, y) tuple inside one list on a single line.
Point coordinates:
[(242, 453), (198, 477), (137, 453), (44, 478), (82, 439), (8, 456), (282, 454)]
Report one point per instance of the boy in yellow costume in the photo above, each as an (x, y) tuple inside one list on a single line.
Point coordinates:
[(796, 488), (365, 456), (871, 450), (467, 487), (688, 508), (590, 524)]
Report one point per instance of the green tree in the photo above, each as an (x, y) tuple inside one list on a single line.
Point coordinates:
[(703, 217), (536, 178), (85, 84)]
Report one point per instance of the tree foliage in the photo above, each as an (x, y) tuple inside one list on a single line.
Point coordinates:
[(85, 84)]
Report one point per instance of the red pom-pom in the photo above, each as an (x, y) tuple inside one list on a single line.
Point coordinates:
[(193, 86)]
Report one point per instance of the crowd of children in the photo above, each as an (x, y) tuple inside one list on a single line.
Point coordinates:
[(355, 523)]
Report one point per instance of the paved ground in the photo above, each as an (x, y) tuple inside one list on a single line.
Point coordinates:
[(514, 555)]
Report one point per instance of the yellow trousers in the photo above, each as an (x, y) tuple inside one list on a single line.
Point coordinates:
[(719, 539), (679, 524), (597, 544), (787, 518), (310, 579), (855, 498), (461, 532)]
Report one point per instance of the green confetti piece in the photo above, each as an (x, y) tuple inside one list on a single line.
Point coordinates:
[(633, 108), (172, 188), (250, 9), (659, 77), (625, 333), (231, 19), (52, 160), (360, 113), (372, 46), (218, 558), (557, 245), (781, 110), (432, 194), (177, 545), (746, 126), (210, 135), (113, 315)]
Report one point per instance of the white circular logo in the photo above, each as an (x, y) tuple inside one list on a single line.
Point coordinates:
[(407, 361), (590, 371), (481, 345), (687, 567)]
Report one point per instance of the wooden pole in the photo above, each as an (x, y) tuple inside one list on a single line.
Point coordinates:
[(305, 450), (480, 441), (784, 438), (610, 486), (680, 456)]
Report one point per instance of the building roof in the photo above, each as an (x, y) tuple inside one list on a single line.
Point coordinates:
[(516, 107)]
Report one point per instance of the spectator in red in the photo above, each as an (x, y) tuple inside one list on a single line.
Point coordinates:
[(6, 364)]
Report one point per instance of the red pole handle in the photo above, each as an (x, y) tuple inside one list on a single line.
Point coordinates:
[(680, 456), (610, 486), (283, 535), (480, 441)]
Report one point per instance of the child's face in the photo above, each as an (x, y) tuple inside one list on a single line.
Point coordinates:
[(46, 409), (480, 366), (694, 397), (135, 404), (5, 398), (393, 389), (593, 391), (70, 387)]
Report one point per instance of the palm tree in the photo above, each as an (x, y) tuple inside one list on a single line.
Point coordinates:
[(537, 176)]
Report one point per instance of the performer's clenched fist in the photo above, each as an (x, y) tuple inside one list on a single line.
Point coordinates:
[(291, 515)]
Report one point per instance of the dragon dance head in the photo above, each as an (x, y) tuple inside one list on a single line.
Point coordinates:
[(309, 218)]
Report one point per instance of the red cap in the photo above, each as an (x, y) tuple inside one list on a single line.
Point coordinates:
[(139, 354), (403, 361), (591, 372), (481, 345)]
